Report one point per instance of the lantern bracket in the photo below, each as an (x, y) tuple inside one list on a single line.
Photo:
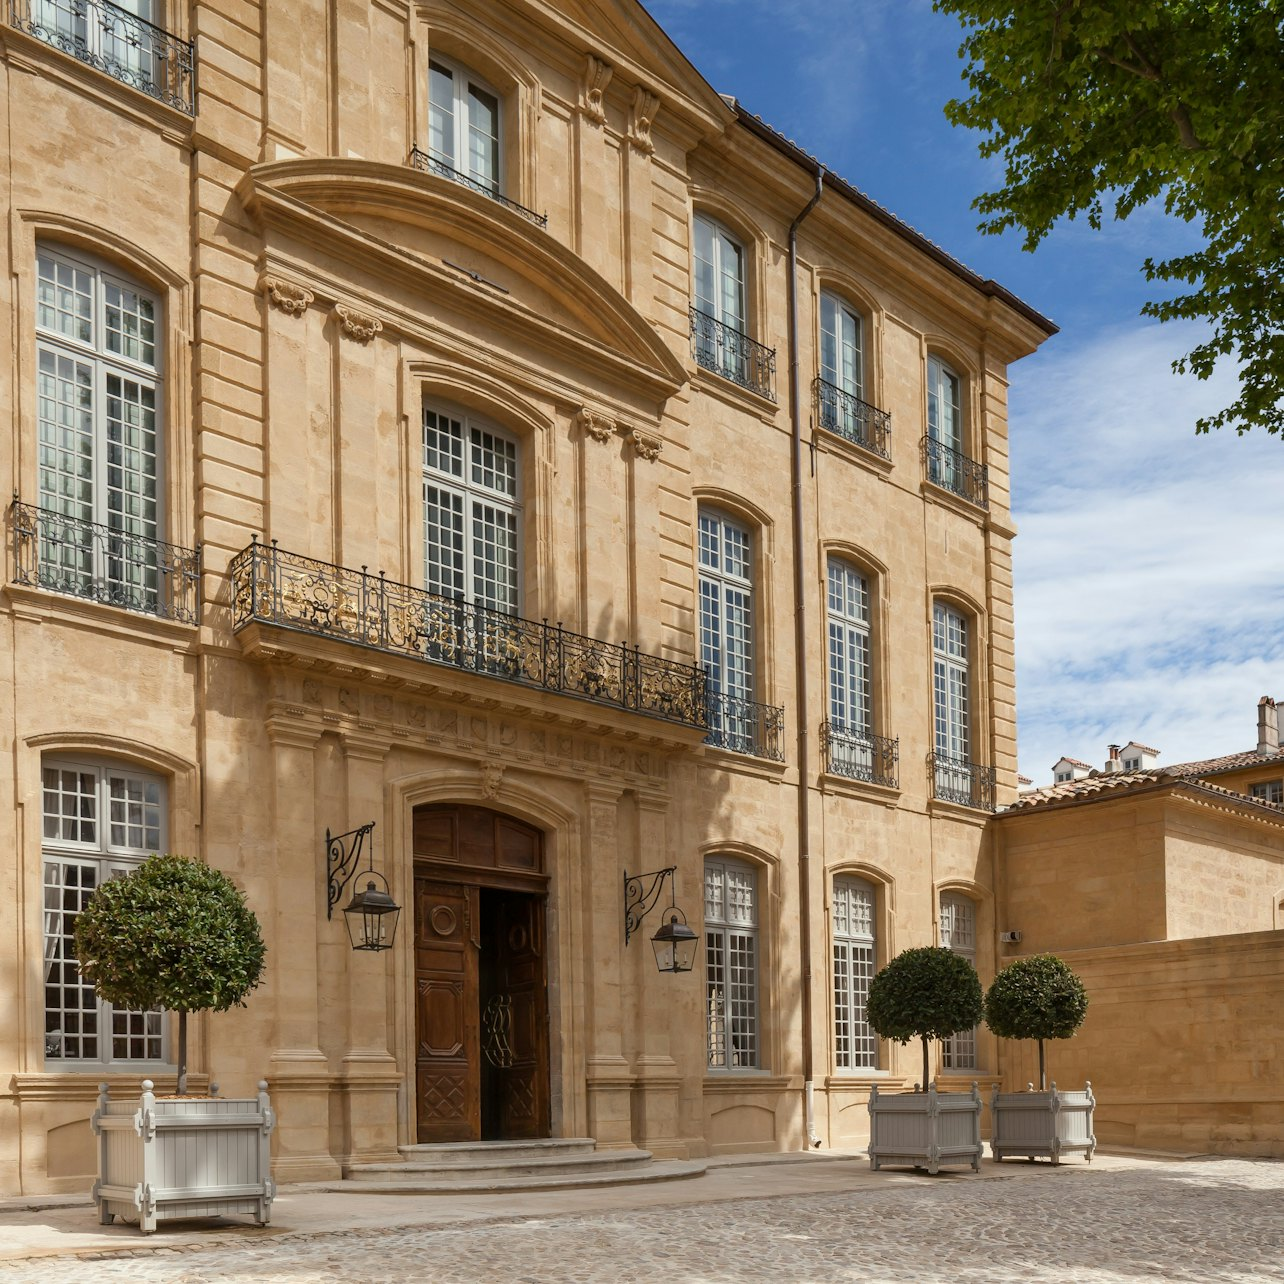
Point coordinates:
[(343, 858), (641, 891)]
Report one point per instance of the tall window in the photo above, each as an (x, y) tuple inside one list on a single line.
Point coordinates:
[(98, 402), (855, 1044), (850, 687), (731, 964), (726, 629), (99, 821), (105, 35), (842, 362), (950, 681), (958, 933), (463, 125), (720, 274), (944, 407), (471, 511)]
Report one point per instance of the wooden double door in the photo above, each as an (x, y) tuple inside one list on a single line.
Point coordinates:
[(481, 986)]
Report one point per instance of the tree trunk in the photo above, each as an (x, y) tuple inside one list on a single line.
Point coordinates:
[(1043, 1078), (924, 1063), (182, 1054)]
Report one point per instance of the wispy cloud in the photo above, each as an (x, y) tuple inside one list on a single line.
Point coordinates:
[(1150, 600)]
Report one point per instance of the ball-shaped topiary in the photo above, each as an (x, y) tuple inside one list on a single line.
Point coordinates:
[(172, 934), (925, 993), (1039, 997)]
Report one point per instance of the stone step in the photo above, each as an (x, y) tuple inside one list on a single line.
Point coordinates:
[(464, 1182), (506, 1168), (465, 1153)]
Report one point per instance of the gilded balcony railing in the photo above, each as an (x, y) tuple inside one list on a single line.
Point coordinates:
[(103, 564), (430, 164), (272, 586), (842, 413), (119, 43), (745, 726), (859, 755), (955, 472), (733, 355), (957, 780)]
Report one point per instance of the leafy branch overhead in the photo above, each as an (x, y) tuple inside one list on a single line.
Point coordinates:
[(1103, 106)]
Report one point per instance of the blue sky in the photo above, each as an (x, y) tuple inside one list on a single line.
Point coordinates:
[(1150, 600)]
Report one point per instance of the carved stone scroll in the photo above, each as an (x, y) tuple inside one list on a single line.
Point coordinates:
[(647, 446), (357, 325), (641, 118), (597, 75), (287, 296), (595, 424)]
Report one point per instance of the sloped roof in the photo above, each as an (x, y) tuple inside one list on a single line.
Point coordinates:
[(1228, 762), (1074, 762), (1116, 783)]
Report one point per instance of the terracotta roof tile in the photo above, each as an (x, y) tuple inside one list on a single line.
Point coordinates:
[(1228, 762), (1101, 784)]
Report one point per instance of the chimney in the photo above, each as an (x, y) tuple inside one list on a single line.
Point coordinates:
[(1268, 726), (1112, 763)]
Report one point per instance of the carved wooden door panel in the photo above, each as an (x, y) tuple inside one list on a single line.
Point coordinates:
[(447, 1091), (521, 963)]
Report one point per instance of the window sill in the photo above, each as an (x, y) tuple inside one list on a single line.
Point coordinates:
[(43, 606), (733, 394), (834, 443), (943, 498), (72, 1084), (742, 1080), (858, 1080), (978, 816), (849, 787), (744, 763)]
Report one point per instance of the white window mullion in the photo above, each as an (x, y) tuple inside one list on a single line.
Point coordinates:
[(958, 933)]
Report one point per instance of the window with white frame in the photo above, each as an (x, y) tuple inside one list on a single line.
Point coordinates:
[(726, 629), (958, 933), (105, 36), (463, 124), (855, 1043), (850, 684), (99, 821), (471, 511), (1271, 791), (944, 405), (1132, 764), (731, 964), (842, 361), (719, 273), (98, 411), (950, 700)]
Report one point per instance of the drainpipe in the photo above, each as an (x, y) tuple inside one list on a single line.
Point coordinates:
[(800, 669)]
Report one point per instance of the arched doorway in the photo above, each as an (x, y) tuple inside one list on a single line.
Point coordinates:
[(481, 997)]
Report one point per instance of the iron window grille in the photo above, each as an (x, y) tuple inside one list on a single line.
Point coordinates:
[(430, 164), (859, 755), (288, 590), (733, 355), (100, 563), (957, 780), (121, 44), (954, 471), (851, 418), (746, 726)]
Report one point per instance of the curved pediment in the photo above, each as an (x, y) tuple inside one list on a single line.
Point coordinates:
[(399, 224)]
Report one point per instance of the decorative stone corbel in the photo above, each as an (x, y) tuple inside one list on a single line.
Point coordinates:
[(597, 75), (642, 117), (357, 325), (647, 446), (595, 424), (285, 295)]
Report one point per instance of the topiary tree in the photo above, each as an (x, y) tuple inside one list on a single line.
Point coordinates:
[(172, 934), (1038, 997), (925, 993)]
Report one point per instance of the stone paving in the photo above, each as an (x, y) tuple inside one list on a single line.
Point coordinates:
[(1203, 1220)]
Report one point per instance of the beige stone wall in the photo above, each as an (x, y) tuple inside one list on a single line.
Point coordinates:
[(315, 291), (1182, 1044)]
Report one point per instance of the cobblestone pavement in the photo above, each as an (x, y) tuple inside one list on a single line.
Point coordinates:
[(1219, 1220)]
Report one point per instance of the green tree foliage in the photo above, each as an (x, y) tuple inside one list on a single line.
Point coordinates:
[(1111, 104), (925, 993), (1039, 997), (175, 934)]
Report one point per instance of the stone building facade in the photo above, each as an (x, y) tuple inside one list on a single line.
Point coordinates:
[(377, 370)]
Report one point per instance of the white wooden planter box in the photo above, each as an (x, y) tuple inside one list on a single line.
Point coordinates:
[(183, 1157), (1050, 1123), (925, 1129)]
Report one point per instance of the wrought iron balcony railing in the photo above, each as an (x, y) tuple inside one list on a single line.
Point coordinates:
[(859, 755), (102, 564), (852, 418), (957, 780), (955, 472), (733, 355), (272, 586), (430, 164), (744, 726), (121, 44)]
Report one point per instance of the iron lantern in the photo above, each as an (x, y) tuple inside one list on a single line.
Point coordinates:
[(674, 943)]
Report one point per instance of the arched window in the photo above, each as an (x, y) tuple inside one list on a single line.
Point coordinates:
[(945, 446), (719, 274), (855, 1043), (99, 820), (842, 346), (98, 413), (958, 933), (727, 630), (464, 125), (471, 511), (731, 963)]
